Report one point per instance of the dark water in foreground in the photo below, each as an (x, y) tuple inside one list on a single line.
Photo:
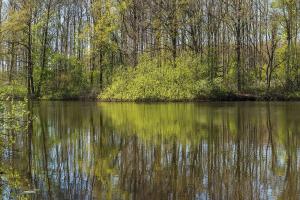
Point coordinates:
[(76, 150)]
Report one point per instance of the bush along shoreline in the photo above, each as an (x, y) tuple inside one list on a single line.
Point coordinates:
[(186, 82), (213, 95), (149, 82), (225, 97)]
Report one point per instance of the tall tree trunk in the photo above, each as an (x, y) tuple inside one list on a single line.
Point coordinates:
[(135, 34), (30, 82), (238, 28), (174, 31), (44, 49), (12, 61)]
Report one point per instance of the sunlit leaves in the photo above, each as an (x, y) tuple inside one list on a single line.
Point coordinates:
[(12, 122)]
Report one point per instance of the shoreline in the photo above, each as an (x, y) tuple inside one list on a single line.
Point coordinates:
[(227, 98)]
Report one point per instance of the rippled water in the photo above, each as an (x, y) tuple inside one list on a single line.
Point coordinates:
[(77, 150)]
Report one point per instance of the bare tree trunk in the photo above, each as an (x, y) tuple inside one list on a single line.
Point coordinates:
[(30, 82), (44, 49), (238, 28)]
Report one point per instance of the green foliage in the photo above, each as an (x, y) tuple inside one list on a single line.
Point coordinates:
[(12, 122), (147, 81), (66, 79), (14, 91), (105, 25)]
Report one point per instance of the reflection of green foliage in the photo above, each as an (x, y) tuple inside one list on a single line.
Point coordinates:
[(12, 122), (191, 122), (107, 143), (187, 122)]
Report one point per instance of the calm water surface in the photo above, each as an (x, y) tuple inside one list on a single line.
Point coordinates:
[(76, 150)]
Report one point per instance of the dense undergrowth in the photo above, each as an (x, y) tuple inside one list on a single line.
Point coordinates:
[(12, 91), (187, 80), (148, 81)]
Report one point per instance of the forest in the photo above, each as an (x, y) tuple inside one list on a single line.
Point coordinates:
[(149, 49), (63, 63)]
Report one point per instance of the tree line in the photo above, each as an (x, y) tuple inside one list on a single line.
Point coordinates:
[(77, 45)]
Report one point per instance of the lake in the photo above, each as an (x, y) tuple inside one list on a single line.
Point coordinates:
[(230, 150)]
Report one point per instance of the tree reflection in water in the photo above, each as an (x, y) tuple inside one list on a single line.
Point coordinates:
[(79, 150)]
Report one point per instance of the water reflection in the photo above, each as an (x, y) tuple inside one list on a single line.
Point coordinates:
[(162, 151)]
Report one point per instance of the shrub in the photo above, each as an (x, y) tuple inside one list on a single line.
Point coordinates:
[(14, 91), (166, 83)]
